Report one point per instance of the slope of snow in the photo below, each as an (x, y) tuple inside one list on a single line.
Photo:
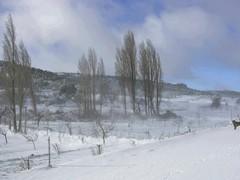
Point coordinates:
[(212, 154)]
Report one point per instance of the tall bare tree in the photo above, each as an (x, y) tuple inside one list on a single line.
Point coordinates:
[(121, 73), (85, 85), (128, 53), (144, 74), (88, 68), (92, 60), (24, 81), (151, 74), (159, 83), (10, 55), (16, 73), (103, 84)]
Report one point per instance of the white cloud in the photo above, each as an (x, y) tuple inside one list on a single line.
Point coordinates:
[(43, 24), (181, 36)]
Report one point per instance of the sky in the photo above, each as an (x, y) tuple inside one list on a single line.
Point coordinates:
[(198, 40)]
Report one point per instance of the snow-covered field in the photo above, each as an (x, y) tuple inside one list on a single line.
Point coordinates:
[(200, 144), (207, 154), (70, 147), (194, 113)]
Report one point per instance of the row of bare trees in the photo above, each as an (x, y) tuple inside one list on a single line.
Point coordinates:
[(92, 82), (132, 63), (144, 64), (16, 75)]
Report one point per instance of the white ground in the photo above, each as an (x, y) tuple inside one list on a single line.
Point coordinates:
[(195, 111), (212, 154)]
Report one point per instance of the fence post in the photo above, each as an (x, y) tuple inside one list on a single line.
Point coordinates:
[(25, 122), (99, 149), (28, 162), (49, 153)]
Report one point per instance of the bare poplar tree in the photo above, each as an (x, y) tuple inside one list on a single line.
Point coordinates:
[(85, 86), (9, 71), (16, 73), (24, 81), (159, 83), (128, 53), (121, 73), (21, 83), (103, 84), (144, 73), (88, 70), (151, 74), (92, 60)]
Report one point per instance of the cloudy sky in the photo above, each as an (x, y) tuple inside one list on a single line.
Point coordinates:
[(198, 40)]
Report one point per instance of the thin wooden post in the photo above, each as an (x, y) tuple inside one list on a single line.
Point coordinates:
[(49, 153), (25, 123), (28, 163), (99, 149)]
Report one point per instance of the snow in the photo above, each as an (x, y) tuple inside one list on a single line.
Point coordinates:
[(195, 113), (206, 154), (199, 145)]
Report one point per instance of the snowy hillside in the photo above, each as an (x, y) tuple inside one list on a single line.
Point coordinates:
[(208, 154)]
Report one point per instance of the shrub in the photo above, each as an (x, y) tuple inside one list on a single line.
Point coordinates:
[(238, 101), (169, 115), (216, 102), (68, 90)]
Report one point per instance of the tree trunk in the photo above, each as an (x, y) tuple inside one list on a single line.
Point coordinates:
[(20, 119), (124, 100), (14, 105)]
